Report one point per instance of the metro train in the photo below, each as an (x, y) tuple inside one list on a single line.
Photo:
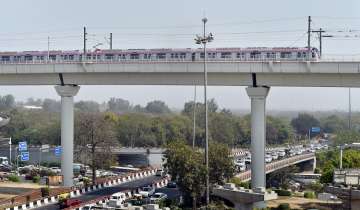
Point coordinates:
[(186, 54)]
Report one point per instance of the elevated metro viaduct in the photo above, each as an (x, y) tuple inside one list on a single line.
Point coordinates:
[(259, 76)]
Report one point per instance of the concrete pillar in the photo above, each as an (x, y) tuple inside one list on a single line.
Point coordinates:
[(67, 94), (258, 134), (314, 164)]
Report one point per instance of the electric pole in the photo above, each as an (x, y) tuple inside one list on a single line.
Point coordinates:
[(194, 118), (110, 41), (85, 34), (309, 33), (320, 32), (350, 109)]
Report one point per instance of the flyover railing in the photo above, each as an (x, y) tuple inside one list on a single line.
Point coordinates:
[(246, 175)]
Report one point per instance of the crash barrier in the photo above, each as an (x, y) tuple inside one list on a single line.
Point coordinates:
[(246, 175), (129, 194), (33, 199)]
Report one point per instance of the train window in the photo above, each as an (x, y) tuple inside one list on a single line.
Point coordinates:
[(211, 55), (285, 55), (5, 58), (160, 55), (52, 57), (182, 55), (109, 56), (201, 55), (17, 58), (147, 56), (71, 57), (134, 56), (88, 56), (255, 54), (225, 55), (40, 57), (299, 54), (28, 57), (270, 55)]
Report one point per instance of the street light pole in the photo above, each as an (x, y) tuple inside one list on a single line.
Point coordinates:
[(10, 151), (204, 40)]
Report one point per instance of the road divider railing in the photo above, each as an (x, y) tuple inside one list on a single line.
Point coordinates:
[(128, 193), (34, 198)]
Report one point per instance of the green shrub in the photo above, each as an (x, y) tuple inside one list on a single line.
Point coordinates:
[(281, 192), (239, 183), (317, 171), (45, 191), (14, 178), (36, 179), (309, 194), (283, 206)]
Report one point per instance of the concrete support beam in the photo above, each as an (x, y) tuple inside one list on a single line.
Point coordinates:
[(258, 136), (67, 94)]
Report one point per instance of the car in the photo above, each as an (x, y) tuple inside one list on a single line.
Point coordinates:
[(240, 168), (159, 172), (171, 185), (89, 207), (55, 170), (147, 191), (274, 156), (158, 197), (281, 153), (248, 160), (268, 158), (69, 203), (116, 199)]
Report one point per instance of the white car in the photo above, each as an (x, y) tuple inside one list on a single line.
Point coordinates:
[(268, 158), (147, 191), (274, 156), (117, 200), (55, 170), (281, 153), (158, 197)]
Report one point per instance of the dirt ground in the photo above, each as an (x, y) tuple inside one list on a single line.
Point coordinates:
[(296, 202), (26, 185)]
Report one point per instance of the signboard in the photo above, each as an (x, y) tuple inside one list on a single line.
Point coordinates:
[(58, 151), (45, 148), (315, 129), (24, 156), (22, 146)]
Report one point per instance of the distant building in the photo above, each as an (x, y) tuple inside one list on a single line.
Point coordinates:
[(347, 176)]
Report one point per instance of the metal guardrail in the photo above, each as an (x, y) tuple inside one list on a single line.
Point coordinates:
[(246, 175)]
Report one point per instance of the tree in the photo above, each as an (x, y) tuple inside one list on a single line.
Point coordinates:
[(186, 166), (119, 105), (332, 124), (51, 105), (94, 138), (221, 165), (157, 107), (304, 122), (87, 106)]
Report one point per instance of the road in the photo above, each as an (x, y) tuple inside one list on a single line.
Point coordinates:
[(108, 191)]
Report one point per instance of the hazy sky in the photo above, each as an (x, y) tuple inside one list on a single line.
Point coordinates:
[(26, 24)]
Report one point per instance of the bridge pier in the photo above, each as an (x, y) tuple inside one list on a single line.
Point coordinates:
[(67, 94), (258, 136)]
